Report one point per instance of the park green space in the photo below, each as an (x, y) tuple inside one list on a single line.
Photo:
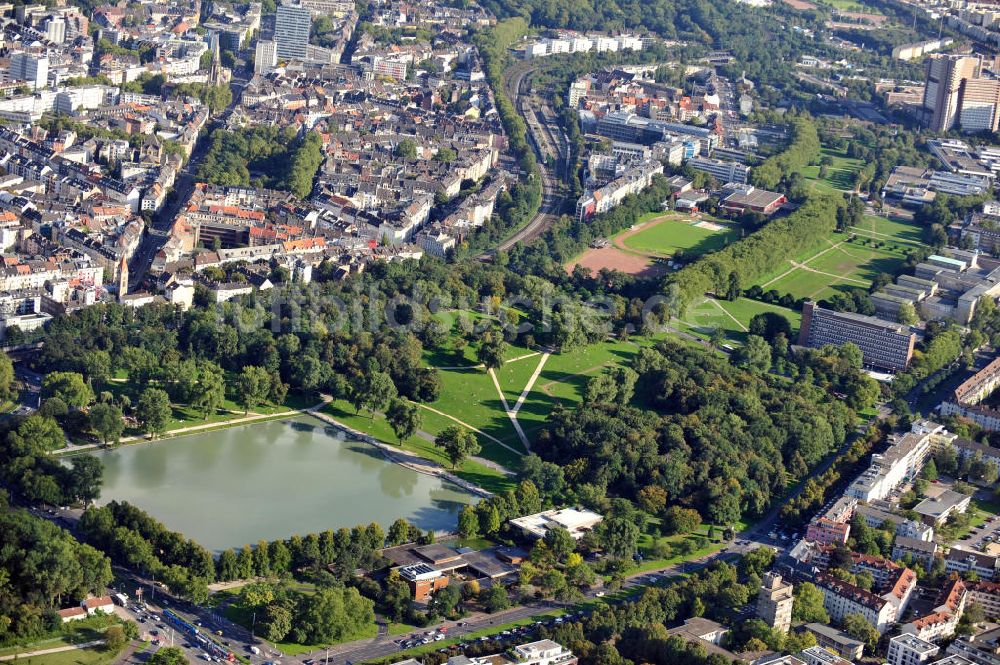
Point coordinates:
[(243, 617), (731, 317), (664, 235), (838, 264), (76, 632), (183, 415), (840, 173), (88, 656), (650, 537), (375, 425), (891, 230)]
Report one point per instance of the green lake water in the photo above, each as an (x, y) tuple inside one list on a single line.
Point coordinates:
[(272, 480)]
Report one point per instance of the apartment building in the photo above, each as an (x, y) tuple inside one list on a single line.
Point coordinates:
[(901, 461), (841, 598), (774, 602), (883, 344), (986, 594), (836, 641), (909, 649), (920, 551), (963, 561)]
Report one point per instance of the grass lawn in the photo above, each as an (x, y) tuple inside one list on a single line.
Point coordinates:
[(470, 396), (745, 309), (514, 376), (837, 267), (89, 656), (678, 232), (704, 317), (651, 536), (890, 230), (839, 175), (77, 632), (487, 478), (564, 378), (186, 416)]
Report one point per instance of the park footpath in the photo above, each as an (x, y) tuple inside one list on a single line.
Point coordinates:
[(46, 652), (391, 453)]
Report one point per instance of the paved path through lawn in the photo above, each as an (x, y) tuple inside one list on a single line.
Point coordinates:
[(45, 652), (510, 414), (531, 382), (726, 312), (803, 266), (218, 424), (795, 266), (474, 429)]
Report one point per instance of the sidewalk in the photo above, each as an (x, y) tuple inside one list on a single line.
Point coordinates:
[(45, 652)]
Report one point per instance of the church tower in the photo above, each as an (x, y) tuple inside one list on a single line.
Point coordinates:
[(122, 279)]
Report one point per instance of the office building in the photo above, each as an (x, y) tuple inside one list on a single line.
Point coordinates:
[(265, 56), (883, 344), (291, 32), (943, 87), (910, 650), (29, 67), (774, 602), (722, 170), (576, 521), (979, 105)]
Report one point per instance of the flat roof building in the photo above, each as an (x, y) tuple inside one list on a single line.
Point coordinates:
[(576, 521), (909, 649), (883, 344)]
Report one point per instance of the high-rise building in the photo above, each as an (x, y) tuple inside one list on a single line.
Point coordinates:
[(774, 602), (943, 87), (29, 67), (265, 56), (291, 31), (55, 29), (979, 107)]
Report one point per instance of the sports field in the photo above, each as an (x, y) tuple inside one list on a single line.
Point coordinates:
[(665, 235), (639, 250)]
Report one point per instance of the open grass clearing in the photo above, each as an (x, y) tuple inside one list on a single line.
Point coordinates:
[(840, 265), (471, 471)]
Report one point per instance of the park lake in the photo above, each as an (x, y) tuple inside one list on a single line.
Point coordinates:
[(271, 480)]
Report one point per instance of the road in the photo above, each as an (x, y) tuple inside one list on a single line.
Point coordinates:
[(553, 197), (158, 233)]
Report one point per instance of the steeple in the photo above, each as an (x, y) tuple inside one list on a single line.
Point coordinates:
[(122, 278)]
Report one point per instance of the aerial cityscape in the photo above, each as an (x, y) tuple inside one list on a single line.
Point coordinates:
[(500, 332)]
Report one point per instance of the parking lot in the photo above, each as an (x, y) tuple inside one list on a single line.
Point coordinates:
[(982, 537), (501, 640)]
